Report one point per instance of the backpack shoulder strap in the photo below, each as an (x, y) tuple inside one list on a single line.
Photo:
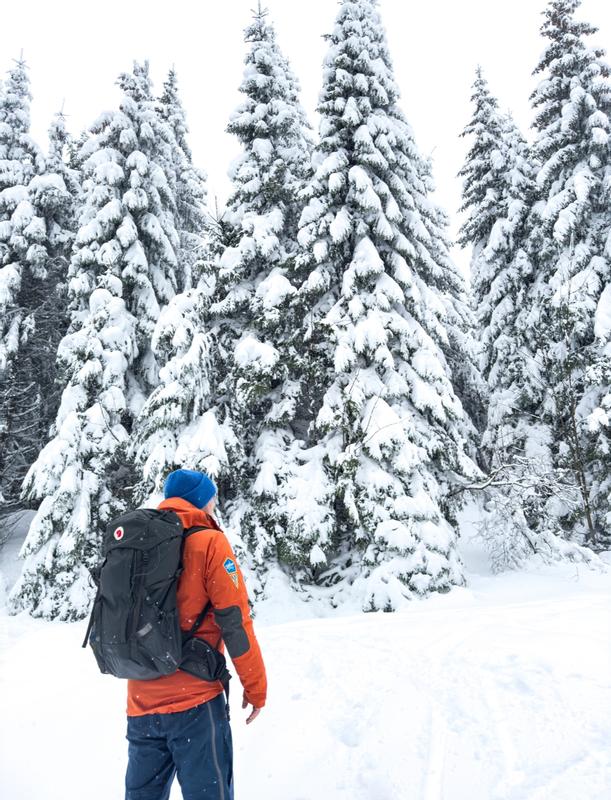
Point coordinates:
[(202, 614), (195, 529), (200, 618)]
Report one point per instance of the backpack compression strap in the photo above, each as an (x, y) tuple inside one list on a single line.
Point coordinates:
[(202, 614), (200, 618)]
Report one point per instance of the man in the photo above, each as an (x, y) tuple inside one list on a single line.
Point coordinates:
[(178, 724)]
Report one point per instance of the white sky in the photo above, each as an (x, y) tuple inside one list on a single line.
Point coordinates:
[(75, 50)]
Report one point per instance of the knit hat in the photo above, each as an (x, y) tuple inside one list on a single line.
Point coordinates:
[(194, 487)]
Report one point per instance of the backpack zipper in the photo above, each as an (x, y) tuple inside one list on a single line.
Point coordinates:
[(140, 560)]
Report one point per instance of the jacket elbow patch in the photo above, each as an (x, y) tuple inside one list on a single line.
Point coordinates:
[(235, 637)]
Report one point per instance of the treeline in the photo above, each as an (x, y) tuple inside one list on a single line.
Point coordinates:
[(314, 347)]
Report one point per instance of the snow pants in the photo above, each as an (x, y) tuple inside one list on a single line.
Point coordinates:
[(195, 745)]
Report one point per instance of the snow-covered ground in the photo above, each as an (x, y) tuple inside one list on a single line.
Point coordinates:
[(501, 690)]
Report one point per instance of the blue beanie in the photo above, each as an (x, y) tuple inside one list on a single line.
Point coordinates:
[(194, 487)]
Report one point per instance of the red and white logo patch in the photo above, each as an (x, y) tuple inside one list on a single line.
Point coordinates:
[(119, 534)]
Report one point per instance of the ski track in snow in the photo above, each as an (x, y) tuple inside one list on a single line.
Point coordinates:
[(484, 694)]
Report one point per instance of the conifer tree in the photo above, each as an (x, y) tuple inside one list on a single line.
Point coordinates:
[(501, 284), (388, 423), (175, 427), (36, 233), (20, 160), (497, 198), (188, 185), (251, 365), (483, 202), (569, 303), (459, 347), (121, 272), (60, 147)]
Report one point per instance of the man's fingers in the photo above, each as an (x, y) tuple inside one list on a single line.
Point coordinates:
[(253, 714)]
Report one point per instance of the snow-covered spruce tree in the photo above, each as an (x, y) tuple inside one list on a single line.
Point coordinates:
[(175, 427), (482, 198), (487, 173), (501, 275), (252, 373), (36, 382), (188, 185), (121, 272), (388, 438), (36, 209), (570, 241), (459, 346), (61, 145), (55, 195), (20, 160), (496, 201), (522, 484)]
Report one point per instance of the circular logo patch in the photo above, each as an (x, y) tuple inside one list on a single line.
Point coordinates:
[(119, 534)]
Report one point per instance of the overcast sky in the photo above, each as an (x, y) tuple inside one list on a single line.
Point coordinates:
[(75, 49)]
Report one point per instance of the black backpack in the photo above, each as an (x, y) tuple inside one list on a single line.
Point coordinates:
[(134, 628)]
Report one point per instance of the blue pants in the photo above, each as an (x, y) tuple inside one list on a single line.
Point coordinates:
[(195, 745)]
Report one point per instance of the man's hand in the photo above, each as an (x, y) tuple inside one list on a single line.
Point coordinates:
[(253, 714)]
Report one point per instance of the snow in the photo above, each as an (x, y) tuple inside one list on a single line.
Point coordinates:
[(107, 171), (249, 351), (383, 427), (582, 182), (366, 260), (320, 251), (352, 115), (10, 283), (369, 333), (44, 183), (263, 149), (230, 259), (202, 445), (99, 299), (498, 691), (109, 254), (341, 226), (138, 161), (274, 289), (602, 316)]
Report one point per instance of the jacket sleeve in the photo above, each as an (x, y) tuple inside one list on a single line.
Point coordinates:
[(225, 587)]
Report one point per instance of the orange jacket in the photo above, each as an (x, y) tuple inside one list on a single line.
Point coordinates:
[(210, 573)]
